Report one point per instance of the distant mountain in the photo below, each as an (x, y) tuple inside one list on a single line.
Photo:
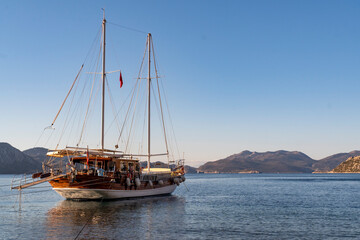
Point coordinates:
[(329, 163), (267, 162), (189, 169), (38, 153), (13, 161), (158, 164), (351, 165)]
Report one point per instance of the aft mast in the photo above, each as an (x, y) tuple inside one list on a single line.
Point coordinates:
[(103, 84), (149, 85)]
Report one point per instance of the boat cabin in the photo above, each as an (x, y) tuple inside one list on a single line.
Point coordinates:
[(105, 166)]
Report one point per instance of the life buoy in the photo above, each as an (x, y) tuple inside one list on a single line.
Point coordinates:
[(128, 183), (137, 182)]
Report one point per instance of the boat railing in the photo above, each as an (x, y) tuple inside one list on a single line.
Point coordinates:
[(180, 162), (22, 179)]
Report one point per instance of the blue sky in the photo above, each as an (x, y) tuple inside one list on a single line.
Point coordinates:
[(240, 75)]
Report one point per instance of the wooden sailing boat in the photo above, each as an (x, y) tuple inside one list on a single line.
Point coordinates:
[(103, 173)]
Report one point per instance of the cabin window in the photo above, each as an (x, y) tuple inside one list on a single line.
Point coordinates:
[(124, 168), (131, 166), (111, 166)]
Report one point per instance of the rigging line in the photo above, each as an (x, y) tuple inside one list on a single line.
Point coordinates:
[(47, 141), (62, 105), (39, 138), (113, 106), (144, 124), (91, 110), (167, 107), (90, 97), (137, 115), (168, 146), (127, 28), (87, 110), (71, 113), (132, 118), (132, 97), (93, 43), (161, 109), (79, 101), (156, 103), (76, 77), (137, 85), (118, 112), (171, 124), (67, 115)]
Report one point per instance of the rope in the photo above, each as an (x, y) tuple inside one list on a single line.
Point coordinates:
[(132, 97), (62, 105), (68, 115), (92, 215), (118, 112), (113, 106), (87, 109), (171, 124), (162, 115), (39, 138), (127, 28)]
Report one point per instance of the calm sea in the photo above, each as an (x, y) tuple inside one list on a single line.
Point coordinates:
[(217, 206)]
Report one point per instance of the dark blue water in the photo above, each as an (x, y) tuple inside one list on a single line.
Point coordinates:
[(218, 206)]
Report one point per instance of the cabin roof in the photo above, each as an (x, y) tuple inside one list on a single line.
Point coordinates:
[(97, 158)]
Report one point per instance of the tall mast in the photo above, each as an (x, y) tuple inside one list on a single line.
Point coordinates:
[(149, 81), (103, 85)]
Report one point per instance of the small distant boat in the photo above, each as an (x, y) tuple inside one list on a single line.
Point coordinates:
[(104, 173)]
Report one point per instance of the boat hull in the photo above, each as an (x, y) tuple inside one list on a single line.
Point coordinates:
[(94, 194)]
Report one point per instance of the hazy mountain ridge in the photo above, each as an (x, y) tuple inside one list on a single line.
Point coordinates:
[(13, 161), (266, 162), (37, 153), (275, 162)]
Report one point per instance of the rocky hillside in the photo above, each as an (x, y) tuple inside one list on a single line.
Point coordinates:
[(351, 165), (13, 161), (189, 169), (38, 153), (266, 162), (329, 163)]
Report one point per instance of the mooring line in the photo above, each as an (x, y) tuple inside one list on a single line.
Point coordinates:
[(102, 199), (87, 222)]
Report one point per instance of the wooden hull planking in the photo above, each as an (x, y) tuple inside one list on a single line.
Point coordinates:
[(85, 187), (94, 194)]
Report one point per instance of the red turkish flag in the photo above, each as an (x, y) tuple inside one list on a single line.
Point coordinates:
[(121, 81)]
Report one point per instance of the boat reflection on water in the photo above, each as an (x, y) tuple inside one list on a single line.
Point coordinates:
[(159, 217)]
